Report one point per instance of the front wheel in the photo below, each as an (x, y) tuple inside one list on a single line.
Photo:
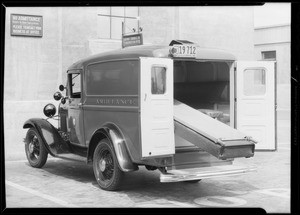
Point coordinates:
[(105, 166), (36, 152)]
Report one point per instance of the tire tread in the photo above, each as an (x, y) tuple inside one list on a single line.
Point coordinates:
[(41, 161), (118, 174)]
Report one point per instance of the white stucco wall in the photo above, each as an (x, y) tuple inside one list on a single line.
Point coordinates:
[(227, 28), (277, 38)]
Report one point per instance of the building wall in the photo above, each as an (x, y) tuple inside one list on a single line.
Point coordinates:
[(31, 64), (277, 38), (227, 28), (32, 73), (78, 27), (272, 34)]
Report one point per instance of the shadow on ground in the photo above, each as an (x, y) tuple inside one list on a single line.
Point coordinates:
[(144, 185)]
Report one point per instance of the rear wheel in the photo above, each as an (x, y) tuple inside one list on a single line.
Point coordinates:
[(105, 166), (36, 152)]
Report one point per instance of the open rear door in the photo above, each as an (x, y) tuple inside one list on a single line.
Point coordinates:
[(156, 103), (255, 102)]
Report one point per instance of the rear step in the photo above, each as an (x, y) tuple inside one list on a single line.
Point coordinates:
[(211, 135), (204, 172)]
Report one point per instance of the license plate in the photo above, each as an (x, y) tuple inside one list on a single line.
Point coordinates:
[(184, 51)]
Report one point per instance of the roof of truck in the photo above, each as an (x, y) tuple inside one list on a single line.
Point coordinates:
[(135, 52)]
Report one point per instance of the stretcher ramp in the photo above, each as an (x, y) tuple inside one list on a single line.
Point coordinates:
[(211, 135)]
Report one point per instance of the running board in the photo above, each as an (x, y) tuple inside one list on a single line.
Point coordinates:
[(72, 157), (204, 172)]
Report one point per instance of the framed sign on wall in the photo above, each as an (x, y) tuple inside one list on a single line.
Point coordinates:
[(26, 25)]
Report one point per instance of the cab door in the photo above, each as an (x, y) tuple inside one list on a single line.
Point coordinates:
[(255, 102), (75, 113), (156, 107)]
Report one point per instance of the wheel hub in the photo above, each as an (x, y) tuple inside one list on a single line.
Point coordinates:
[(102, 165), (31, 147)]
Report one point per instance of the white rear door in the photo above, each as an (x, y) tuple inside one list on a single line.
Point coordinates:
[(255, 102), (156, 100)]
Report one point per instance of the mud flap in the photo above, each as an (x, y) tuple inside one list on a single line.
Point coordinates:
[(211, 135)]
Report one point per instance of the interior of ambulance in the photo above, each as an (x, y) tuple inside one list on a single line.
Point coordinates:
[(204, 86)]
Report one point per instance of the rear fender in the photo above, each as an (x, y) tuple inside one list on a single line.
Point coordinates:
[(51, 139), (114, 134)]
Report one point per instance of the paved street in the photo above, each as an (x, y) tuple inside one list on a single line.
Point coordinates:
[(64, 183)]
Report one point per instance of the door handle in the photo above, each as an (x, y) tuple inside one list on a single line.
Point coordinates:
[(145, 96)]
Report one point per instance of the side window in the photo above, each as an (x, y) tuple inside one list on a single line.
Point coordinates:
[(75, 85), (254, 82), (113, 78), (158, 80)]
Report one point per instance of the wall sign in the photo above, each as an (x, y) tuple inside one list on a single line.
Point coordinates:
[(132, 40), (26, 25)]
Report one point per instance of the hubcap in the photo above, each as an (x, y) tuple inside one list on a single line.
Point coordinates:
[(34, 148), (105, 166), (31, 147), (102, 165)]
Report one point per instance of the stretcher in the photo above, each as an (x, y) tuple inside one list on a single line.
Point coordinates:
[(211, 135)]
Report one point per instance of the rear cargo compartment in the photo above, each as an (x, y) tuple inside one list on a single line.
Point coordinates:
[(203, 109), (204, 86), (206, 142)]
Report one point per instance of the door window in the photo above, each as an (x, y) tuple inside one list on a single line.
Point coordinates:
[(254, 82), (158, 80), (75, 86)]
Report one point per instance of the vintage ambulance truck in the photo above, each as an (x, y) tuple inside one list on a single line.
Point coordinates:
[(173, 108)]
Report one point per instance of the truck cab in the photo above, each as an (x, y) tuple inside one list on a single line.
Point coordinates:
[(180, 109)]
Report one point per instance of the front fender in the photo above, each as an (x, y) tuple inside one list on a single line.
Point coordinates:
[(49, 134), (113, 133)]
